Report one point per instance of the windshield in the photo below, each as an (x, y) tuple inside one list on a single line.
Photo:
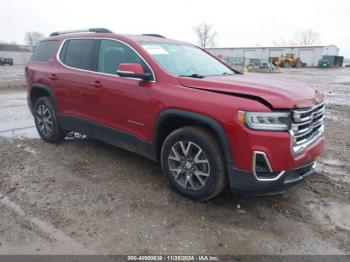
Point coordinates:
[(185, 60)]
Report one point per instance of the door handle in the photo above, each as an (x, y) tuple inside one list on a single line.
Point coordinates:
[(96, 84), (53, 77)]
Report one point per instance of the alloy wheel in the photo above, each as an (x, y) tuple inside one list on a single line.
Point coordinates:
[(189, 165), (44, 120)]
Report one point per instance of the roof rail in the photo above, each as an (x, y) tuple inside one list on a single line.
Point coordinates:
[(155, 35), (92, 30)]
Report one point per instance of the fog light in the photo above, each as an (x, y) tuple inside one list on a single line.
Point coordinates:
[(261, 165), (262, 169)]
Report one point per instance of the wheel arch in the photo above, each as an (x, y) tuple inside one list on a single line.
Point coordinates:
[(172, 119), (39, 90)]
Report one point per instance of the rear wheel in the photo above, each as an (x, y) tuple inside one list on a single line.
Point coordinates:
[(46, 121), (194, 164)]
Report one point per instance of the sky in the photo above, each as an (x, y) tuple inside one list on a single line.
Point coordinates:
[(238, 23)]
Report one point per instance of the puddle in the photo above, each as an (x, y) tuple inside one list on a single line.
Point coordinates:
[(29, 132), (15, 119)]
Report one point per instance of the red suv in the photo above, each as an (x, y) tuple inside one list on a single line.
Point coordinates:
[(209, 126)]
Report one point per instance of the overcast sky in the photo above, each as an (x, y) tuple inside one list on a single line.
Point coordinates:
[(239, 23)]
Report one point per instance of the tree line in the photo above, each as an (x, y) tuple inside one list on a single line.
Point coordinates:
[(206, 36)]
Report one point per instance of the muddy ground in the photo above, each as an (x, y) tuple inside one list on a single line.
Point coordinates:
[(86, 197)]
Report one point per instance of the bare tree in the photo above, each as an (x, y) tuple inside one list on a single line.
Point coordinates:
[(33, 38), (205, 34), (307, 37)]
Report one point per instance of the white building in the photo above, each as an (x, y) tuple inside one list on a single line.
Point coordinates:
[(19, 53), (245, 55)]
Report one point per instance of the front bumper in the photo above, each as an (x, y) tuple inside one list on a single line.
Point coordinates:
[(245, 182), (281, 169)]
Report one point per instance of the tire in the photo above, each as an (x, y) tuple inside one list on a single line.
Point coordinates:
[(46, 121), (298, 64), (197, 175), (286, 64)]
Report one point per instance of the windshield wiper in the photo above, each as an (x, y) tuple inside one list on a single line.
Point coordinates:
[(223, 74), (193, 75)]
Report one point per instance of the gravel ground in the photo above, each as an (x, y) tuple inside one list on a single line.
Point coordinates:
[(86, 197)]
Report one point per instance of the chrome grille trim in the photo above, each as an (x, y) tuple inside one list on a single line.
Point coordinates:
[(305, 111), (306, 127)]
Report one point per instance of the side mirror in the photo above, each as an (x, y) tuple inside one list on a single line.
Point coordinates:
[(133, 70)]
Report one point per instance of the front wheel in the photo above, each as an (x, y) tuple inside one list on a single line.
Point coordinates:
[(286, 64), (193, 162), (46, 121)]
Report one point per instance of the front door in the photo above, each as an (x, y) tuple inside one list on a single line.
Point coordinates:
[(120, 103)]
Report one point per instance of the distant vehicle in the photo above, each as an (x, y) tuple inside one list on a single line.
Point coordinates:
[(170, 101), (333, 60), (267, 66), (264, 65), (288, 60), (324, 64), (6, 60), (347, 65)]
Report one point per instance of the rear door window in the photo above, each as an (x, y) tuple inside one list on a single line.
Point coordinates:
[(78, 53), (44, 51)]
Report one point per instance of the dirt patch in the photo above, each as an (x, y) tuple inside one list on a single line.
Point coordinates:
[(111, 201), (116, 202)]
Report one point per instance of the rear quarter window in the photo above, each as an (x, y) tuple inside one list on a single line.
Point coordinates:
[(78, 53), (44, 51)]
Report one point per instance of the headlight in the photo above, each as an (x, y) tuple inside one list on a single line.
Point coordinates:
[(275, 121)]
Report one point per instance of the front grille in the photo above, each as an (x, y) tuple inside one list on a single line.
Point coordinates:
[(307, 126)]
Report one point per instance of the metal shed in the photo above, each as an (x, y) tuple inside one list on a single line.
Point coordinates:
[(241, 56)]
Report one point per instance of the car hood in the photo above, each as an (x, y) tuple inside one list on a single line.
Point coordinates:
[(278, 93)]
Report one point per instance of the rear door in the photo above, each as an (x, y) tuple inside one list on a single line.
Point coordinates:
[(74, 77)]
